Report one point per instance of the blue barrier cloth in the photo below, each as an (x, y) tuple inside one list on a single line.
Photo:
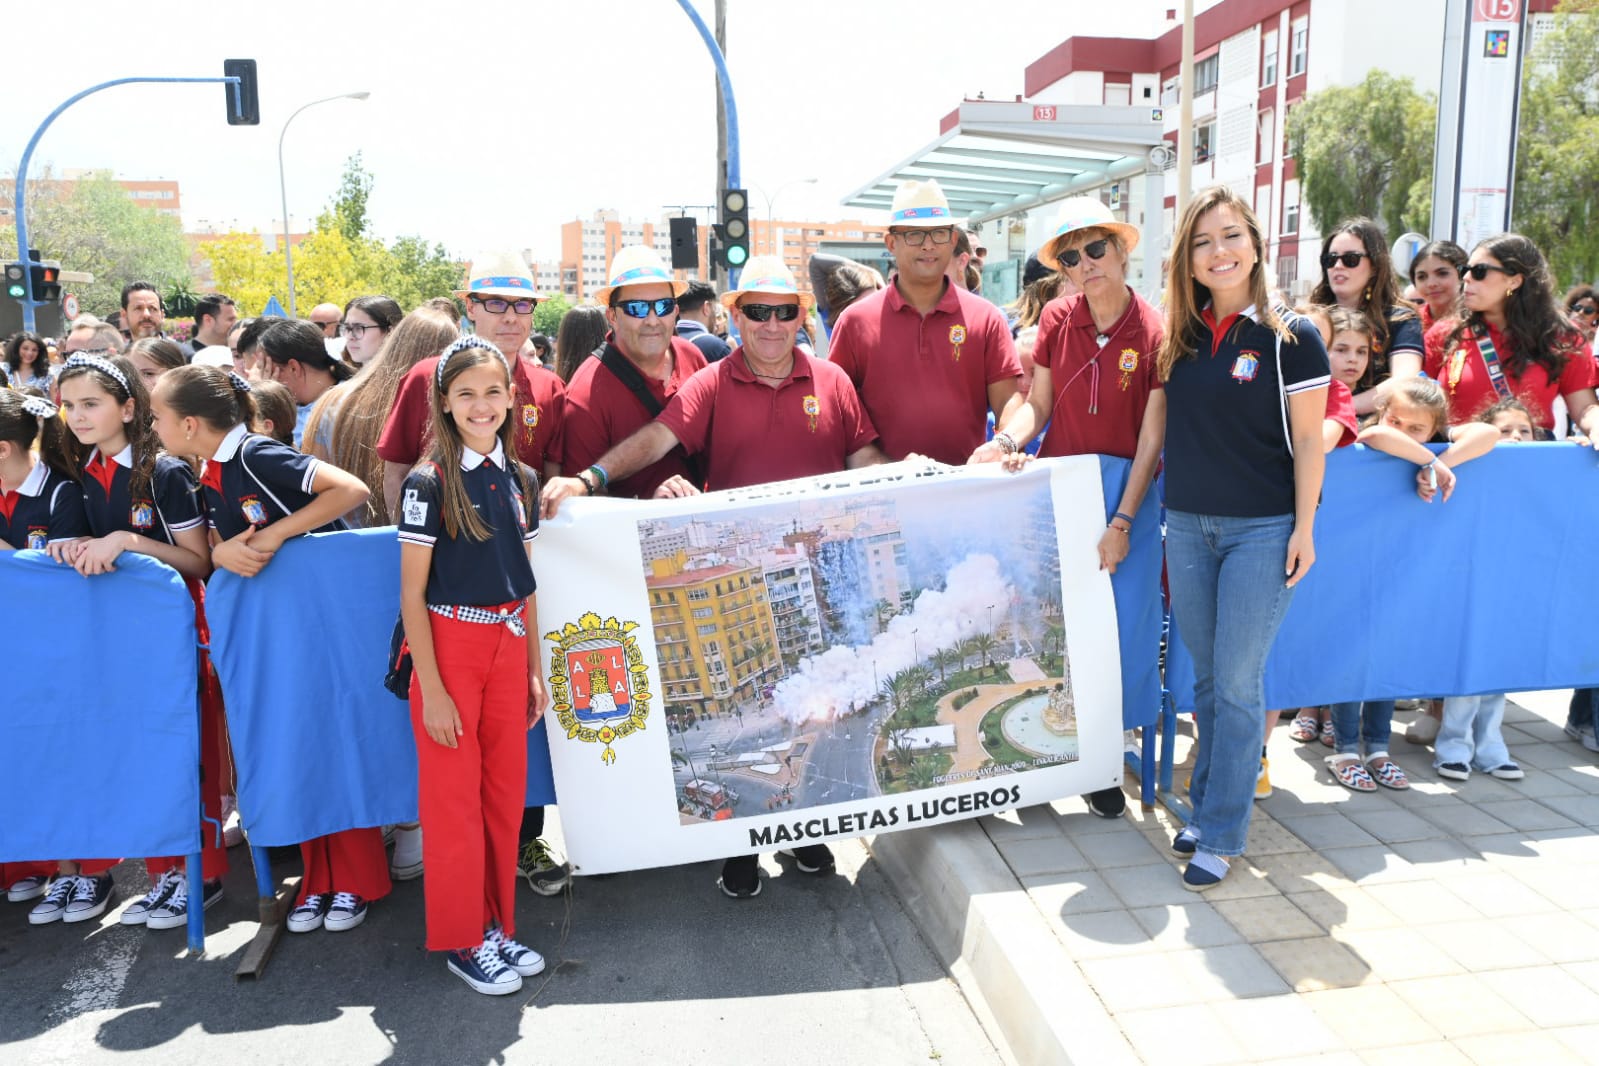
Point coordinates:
[(107, 701), (1136, 588), (319, 744)]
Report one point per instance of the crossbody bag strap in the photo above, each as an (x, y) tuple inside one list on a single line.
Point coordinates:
[(1490, 360), (628, 374)]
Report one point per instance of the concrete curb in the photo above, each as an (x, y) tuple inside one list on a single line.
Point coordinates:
[(980, 921)]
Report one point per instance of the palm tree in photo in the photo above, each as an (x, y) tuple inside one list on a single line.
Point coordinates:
[(921, 774), (944, 658), (984, 644)]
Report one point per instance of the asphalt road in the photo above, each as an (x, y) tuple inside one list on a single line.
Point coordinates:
[(649, 967)]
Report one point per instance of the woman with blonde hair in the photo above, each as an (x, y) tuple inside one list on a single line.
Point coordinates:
[(1246, 392), (344, 426)]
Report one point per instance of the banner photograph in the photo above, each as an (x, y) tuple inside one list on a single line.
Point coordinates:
[(879, 650)]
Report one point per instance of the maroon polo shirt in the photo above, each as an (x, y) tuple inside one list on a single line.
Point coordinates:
[(751, 433), (1100, 393), (601, 413), (537, 412), (924, 379)]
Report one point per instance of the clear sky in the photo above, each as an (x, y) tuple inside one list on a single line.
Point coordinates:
[(489, 125)]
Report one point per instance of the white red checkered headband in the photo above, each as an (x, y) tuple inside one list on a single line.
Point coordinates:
[(471, 340)]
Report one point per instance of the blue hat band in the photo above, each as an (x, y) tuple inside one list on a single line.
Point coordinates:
[(510, 282), (907, 213)]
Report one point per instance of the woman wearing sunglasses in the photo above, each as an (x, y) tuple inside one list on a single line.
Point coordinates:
[(1436, 272), (1514, 341), (1357, 273), (1582, 307)]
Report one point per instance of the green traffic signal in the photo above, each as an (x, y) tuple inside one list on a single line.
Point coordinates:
[(16, 292), (736, 255)]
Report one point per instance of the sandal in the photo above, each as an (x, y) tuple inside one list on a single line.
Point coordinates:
[(1305, 728), (1388, 775), (1327, 732), (1350, 773)]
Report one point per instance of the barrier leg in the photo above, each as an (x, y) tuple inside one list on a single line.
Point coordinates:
[(271, 915), (196, 876), (1146, 774)]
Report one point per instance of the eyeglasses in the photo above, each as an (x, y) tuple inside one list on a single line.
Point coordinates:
[(1479, 271), (762, 312), (357, 330), (1095, 250), (496, 306), (642, 308), (1349, 259), (918, 237), (1586, 310)]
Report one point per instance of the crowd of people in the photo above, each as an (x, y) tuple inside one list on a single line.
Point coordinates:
[(212, 453)]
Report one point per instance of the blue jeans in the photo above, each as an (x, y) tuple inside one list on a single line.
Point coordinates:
[(1471, 733), (1371, 722), (1581, 712), (1229, 597)]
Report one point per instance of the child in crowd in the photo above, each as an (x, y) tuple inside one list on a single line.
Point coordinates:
[(258, 494), (40, 502), (1411, 412), (1471, 735), (468, 516), (275, 411), (135, 500)]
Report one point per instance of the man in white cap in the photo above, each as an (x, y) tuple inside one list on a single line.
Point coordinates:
[(641, 366), (929, 359), (500, 298), (779, 414)]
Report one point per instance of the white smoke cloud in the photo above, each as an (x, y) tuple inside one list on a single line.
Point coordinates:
[(842, 676)]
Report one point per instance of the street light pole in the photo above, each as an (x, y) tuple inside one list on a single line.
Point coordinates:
[(283, 187), (771, 230)]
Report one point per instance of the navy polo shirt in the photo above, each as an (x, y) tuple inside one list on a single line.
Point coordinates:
[(45, 507), (467, 572), (1227, 444), (254, 481), (175, 506)]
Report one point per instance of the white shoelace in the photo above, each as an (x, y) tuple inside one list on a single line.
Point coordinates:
[(312, 903), (159, 889), (179, 900), (487, 956), (497, 937), (61, 891), (84, 888), (345, 901)]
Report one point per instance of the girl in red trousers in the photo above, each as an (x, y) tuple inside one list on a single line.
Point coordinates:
[(258, 493), (468, 515)]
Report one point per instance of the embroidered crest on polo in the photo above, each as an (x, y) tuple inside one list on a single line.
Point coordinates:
[(1127, 364), (530, 415), (141, 515), (100, 363), (471, 340), (253, 510), (957, 337), (1246, 366), (812, 408)]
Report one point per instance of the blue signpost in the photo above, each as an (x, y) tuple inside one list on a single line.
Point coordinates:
[(733, 174), (241, 104)]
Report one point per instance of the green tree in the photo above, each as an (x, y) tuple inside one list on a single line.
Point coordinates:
[(923, 773), (944, 658), (1366, 150), (984, 644), (548, 314), (93, 225), (1557, 154)]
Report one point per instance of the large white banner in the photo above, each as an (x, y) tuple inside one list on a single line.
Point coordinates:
[(811, 660)]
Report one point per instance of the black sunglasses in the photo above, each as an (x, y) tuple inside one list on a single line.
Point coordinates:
[(1586, 309), (762, 312), (496, 306), (1480, 271), (1094, 249), (642, 308), (1349, 259)]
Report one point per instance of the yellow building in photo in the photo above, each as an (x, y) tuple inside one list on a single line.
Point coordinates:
[(714, 632)]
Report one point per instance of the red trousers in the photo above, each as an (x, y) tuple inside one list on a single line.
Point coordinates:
[(12, 872), (471, 796), (351, 861)]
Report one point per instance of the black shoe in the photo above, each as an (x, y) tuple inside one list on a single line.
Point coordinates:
[(741, 877), (811, 858), (1107, 802)]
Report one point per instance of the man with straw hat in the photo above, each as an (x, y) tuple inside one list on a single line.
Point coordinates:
[(929, 359), (640, 368), (778, 413), (500, 298)]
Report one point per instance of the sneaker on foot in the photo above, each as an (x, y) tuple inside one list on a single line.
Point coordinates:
[(406, 862), (1107, 802), (89, 898), (310, 914), (28, 888), (741, 877), (485, 970), (519, 957), (1263, 780), (174, 913), (54, 905), (139, 910), (1508, 772), (1455, 771), (345, 912), (811, 858), (545, 874), (1204, 871), (1184, 843)]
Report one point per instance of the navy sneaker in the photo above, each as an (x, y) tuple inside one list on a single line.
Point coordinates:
[(310, 914), (139, 910), (485, 970), (89, 898), (1508, 772), (27, 889), (174, 913), (54, 905), (1197, 876), (1185, 840), (345, 912), (741, 877), (1455, 771), (519, 957), (811, 858)]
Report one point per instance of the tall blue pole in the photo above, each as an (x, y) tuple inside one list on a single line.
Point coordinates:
[(734, 176), (21, 215)]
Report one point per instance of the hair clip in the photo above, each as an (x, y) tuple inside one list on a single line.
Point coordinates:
[(238, 383), (39, 407), (471, 340), (95, 361)]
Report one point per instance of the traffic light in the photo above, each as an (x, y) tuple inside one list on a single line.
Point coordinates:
[(247, 112), (685, 243), (46, 281), (16, 282), (735, 228)]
